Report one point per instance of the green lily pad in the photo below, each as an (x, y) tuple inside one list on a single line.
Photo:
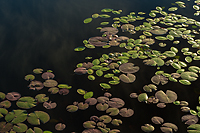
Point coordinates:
[(142, 97), (194, 128), (20, 127), (72, 108), (176, 65), (34, 130), (96, 67), (26, 102), (114, 82), (87, 20), (169, 53), (112, 111), (116, 122), (99, 73), (188, 59), (172, 9), (29, 77), (158, 61), (194, 69), (37, 116), (104, 16), (64, 86), (190, 76), (16, 116), (185, 82), (37, 70), (81, 91), (106, 10), (3, 112), (91, 77), (105, 118), (105, 86), (89, 124), (41, 98), (102, 106), (90, 71), (53, 90), (88, 95), (108, 75), (81, 48), (104, 23), (2, 95), (50, 83), (5, 104)]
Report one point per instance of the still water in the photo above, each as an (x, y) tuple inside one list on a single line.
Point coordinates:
[(43, 34)]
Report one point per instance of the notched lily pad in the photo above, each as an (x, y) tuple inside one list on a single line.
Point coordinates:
[(102, 106), (157, 120), (147, 128), (124, 112), (116, 103), (50, 83), (37, 116), (26, 102), (13, 96), (105, 119), (112, 111), (169, 97), (116, 122), (5, 104), (60, 126), (41, 98), (36, 85), (72, 108), (128, 68), (48, 75), (91, 101), (129, 78)]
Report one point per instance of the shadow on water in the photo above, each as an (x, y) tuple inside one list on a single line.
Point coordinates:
[(43, 34)]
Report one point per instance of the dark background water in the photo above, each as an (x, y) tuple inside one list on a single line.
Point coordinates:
[(43, 34)]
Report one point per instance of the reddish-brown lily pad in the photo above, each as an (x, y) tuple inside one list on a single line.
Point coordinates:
[(72, 108), (94, 118), (91, 101), (128, 68), (98, 41), (5, 127), (133, 95), (124, 112), (48, 75), (63, 91), (116, 103), (157, 79), (102, 99), (36, 85), (107, 94), (13, 96), (49, 105), (80, 70), (161, 105), (109, 30), (87, 65), (60, 126), (91, 131)]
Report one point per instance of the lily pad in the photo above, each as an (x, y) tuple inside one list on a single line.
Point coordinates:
[(26, 102), (53, 90), (157, 79), (5, 127), (5, 104), (82, 106), (105, 86), (60, 126), (35, 130), (190, 119), (16, 116), (41, 98), (88, 95), (13, 96), (20, 127), (37, 116), (3, 112), (72, 108), (81, 48), (63, 91), (102, 106), (36, 85), (194, 128), (129, 78), (190, 76), (103, 99), (169, 97), (48, 75), (142, 97), (112, 111), (49, 105), (124, 112), (29, 77), (91, 101), (116, 122), (147, 128), (87, 20), (116, 103), (37, 70), (128, 68), (157, 120), (50, 83), (105, 118)]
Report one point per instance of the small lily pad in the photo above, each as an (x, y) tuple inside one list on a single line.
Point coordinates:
[(5, 104), (60, 126), (105, 118), (87, 20), (50, 83), (124, 112), (29, 77), (147, 128), (102, 106), (88, 95), (41, 98), (20, 127), (112, 111), (48, 75), (105, 86), (37, 70), (157, 120), (116, 122), (82, 106), (72, 108)]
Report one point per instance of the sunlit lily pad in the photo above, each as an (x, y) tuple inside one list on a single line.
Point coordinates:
[(167, 127), (34, 130), (169, 97), (88, 95), (142, 97), (128, 68), (129, 78), (87, 20), (37, 116), (147, 128), (190, 76), (83, 106), (194, 128), (157, 120), (194, 69), (116, 122), (26, 102), (64, 86), (157, 79), (112, 111), (105, 86), (114, 82), (16, 116), (188, 59), (150, 88)]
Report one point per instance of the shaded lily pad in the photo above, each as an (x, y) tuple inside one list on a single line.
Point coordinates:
[(29, 77), (48, 75), (112, 111), (26, 102), (41, 98), (37, 116), (50, 83), (107, 94), (169, 97), (161, 105), (72, 108), (37, 70), (80, 70), (91, 101), (53, 90), (194, 69), (13, 96), (63, 91), (20, 127), (5, 127), (124, 112), (98, 41), (102, 106), (147, 128), (109, 30), (5, 104), (116, 103), (16, 116), (35, 85), (105, 118), (60, 126), (49, 105)]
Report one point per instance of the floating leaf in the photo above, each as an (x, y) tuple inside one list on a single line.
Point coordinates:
[(13, 96), (37, 116), (16, 116), (26, 102), (116, 122), (112, 111), (105, 119), (105, 86), (50, 83), (81, 91), (83, 106), (190, 119), (157, 120), (102, 106), (169, 97), (49, 105), (20, 127), (88, 95), (5, 104), (124, 112), (190, 76), (48, 75), (87, 20), (91, 101), (147, 128), (129, 78), (72, 108), (37, 70), (64, 86), (53, 90), (116, 103), (29, 77), (41, 98)]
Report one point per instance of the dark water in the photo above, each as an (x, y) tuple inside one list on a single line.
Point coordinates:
[(43, 34)]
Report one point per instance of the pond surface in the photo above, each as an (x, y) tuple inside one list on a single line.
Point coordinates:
[(43, 34)]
